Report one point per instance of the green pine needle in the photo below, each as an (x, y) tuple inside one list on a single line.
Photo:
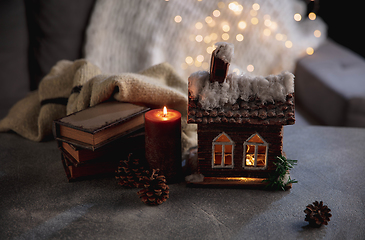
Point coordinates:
[(275, 180)]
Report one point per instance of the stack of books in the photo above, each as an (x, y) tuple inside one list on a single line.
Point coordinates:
[(94, 140)]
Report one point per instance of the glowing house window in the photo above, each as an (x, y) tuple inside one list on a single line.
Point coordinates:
[(255, 152), (222, 151)]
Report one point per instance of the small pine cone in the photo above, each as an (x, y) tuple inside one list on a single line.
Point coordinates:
[(155, 190), (130, 172), (317, 214)]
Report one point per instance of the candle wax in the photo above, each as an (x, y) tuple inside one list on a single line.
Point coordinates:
[(163, 142)]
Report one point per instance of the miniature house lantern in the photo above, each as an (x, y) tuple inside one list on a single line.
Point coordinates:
[(240, 121)]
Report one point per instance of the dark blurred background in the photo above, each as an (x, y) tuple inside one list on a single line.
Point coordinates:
[(345, 21)]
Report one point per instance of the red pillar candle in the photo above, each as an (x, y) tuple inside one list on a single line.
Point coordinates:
[(163, 142)]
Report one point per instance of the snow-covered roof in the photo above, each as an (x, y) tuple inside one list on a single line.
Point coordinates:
[(242, 99), (216, 95)]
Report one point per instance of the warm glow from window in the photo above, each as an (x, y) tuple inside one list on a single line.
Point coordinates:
[(218, 155), (255, 152), (250, 155), (222, 152), (250, 159)]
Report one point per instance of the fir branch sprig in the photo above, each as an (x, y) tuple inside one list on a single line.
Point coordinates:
[(276, 180)]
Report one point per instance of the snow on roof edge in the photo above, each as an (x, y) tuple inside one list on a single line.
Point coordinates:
[(215, 95)]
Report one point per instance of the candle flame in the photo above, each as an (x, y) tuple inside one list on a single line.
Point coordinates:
[(164, 111)]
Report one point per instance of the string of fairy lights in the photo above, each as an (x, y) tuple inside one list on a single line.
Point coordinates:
[(222, 30)]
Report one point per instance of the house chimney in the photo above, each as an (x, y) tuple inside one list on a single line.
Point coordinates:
[(220, 61)]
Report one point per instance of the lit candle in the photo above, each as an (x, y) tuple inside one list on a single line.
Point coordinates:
[(163, 142)]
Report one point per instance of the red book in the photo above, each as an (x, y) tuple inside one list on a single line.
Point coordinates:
[(130, 141), (105, 163)]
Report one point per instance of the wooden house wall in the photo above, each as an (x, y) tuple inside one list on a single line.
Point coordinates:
[(273, 135)]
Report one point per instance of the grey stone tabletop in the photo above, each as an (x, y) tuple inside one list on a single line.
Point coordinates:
[(37, 201)]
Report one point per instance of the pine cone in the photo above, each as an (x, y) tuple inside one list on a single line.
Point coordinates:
[(130, 172), (317, 214), (155, 190)]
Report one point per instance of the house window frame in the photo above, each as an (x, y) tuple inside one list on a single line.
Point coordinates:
[(223, 144), (254, 167)]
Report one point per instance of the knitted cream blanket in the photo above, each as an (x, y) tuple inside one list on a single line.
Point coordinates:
[(74, 86)]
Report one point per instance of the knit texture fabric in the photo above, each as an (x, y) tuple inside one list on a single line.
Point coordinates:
[(74, 86), (127, 36)]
